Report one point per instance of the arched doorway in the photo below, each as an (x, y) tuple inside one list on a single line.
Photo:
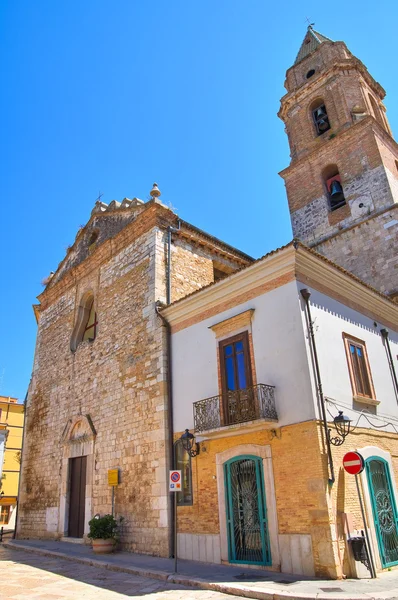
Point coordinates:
[(247, 526), (383, 508)]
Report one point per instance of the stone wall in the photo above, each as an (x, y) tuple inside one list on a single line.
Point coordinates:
[(369, 250), (119, 381)]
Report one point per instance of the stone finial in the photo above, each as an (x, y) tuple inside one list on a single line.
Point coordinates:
[(155, 191)]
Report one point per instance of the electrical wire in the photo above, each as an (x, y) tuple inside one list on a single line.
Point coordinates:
[(363, 413)]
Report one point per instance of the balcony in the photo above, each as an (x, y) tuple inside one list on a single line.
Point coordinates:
[(239, 406)]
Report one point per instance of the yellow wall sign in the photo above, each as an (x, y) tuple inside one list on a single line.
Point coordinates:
[(113, 476)]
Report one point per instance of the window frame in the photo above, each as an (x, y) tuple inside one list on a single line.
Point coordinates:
[(5, 510), (182, 499), (240, 337), (352, 369)]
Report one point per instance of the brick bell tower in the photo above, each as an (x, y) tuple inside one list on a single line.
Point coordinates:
[(342, 182)]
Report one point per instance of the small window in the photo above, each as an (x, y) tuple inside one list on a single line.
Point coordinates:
[(4, 515), (310, 73), (358, 366), (92, 242), (86, 323), (183, 462), (90, 329), (321, 119)]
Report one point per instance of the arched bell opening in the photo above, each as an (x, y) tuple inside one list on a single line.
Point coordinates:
[(334, 188), (320, 116)]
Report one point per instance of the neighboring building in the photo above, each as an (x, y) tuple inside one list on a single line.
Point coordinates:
[(261, 489), (98, 397), (11, 425), (342, 182), (264, 354)]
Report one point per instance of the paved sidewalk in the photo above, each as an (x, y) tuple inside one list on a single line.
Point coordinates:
[(29, 576), (250, 583)]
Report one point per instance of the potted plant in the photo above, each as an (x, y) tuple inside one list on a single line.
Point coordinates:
[(104, 533)]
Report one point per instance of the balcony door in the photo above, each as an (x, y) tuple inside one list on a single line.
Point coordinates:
[(236, 378)]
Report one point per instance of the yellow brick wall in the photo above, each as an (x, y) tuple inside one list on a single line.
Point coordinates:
[(306, 504), (343, 496), (300, 475)]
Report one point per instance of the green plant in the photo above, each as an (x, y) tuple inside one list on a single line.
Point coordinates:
[(104, 528)]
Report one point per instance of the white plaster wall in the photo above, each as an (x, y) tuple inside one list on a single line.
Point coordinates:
[(279, 352), (331, 319)]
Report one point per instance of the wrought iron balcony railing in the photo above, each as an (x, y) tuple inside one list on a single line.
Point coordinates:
[(239, 406)]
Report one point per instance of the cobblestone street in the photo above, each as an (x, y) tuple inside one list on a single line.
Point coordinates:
[(29, 576)]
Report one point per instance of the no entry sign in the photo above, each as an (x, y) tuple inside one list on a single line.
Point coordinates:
[(353, 463)]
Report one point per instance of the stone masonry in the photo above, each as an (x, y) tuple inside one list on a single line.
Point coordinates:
[(108, 399)]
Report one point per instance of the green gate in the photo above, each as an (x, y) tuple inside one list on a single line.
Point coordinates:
[(248, 540), (384, 509)]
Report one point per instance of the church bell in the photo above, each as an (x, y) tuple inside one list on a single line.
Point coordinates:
[(336, 194)]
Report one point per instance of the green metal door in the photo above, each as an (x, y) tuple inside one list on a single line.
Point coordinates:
[(384, 509), (248, 540)]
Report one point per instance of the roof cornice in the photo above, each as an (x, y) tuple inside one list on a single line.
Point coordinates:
[(323, 275), (263, 271), (305, 265)]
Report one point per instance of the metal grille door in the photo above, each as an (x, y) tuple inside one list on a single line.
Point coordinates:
[(246, 512), (384, 510)]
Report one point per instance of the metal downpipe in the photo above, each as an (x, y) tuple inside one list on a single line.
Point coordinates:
[(305, 293), (384, 333), (169, 384)]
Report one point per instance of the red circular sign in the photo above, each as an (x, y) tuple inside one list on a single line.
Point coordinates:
[(353, 463), (175, 476)]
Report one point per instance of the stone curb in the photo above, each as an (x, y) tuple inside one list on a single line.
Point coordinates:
[(225, 588)]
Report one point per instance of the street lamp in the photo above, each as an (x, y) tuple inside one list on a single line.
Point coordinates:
[(188, 443), (342, 425)]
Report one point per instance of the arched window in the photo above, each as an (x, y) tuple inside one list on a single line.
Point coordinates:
[(320, 116), (332, 180), (376, 111), (92, 242), (86, 323)]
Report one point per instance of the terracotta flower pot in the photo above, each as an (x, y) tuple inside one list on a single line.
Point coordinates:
[(103, 546)]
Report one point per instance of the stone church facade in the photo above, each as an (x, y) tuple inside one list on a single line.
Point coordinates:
[(101, 393), (150, 326)]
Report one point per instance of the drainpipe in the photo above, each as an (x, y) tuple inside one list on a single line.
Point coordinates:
[(166, 324), (305, 293), (384, 333), (170, 229)]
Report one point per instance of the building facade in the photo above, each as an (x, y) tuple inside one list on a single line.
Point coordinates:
[(11, 429), (263, 490), (98, 398)]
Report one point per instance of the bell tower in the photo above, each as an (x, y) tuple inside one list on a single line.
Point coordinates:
[(342, 181)]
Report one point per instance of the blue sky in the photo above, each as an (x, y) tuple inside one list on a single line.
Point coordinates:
[(112, 96)]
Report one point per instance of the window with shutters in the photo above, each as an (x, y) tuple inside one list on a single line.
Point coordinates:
[(359, 369)]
